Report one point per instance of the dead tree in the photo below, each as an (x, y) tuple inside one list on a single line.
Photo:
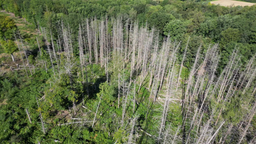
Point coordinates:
[(41, 118), (132, 130), (95, 36), (54, 53), (28, 115), (119, 88), (124, 104), (89, 39), (102, 42), (96, 111), (181, 66), (166, 104), (81, 51), (38, 46), (252, 113), (134, 44), (49, 51), (22, 57)]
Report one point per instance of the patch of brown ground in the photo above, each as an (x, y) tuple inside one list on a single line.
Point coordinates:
[(7, 65), (11, 14), (230, 3), (4, 102), (20, 22), (63, 114)]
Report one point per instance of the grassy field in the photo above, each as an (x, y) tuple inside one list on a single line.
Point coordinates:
[(230, 3)]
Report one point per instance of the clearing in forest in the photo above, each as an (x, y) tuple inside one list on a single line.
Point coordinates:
[(231, 3), (23, 26), (28, 32)]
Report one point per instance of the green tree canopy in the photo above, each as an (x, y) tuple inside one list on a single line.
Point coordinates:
[(7, 28), (9, 46), (175, 28), (230, 35)]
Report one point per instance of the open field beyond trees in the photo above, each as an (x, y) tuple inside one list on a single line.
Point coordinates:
[(232, 3)]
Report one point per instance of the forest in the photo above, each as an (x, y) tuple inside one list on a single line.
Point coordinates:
[(127, 71)]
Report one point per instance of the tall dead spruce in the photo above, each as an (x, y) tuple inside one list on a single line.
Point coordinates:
[(121, 46)]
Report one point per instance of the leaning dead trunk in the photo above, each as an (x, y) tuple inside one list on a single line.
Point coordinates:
[(28, 115), (184, 56), (12, 58), (41, 118), (96, 112)]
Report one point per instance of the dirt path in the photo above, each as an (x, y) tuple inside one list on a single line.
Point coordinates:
[(228, 3)]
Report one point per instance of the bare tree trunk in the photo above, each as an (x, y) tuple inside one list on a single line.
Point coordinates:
[(102, 42), (66, 43), (192, 72), (166, 134), (96, 111), (45, 66), (28, 115), (173, 141), (49, 51), (89, 41), (81, 51), (250, 81), (87, 84), (134, 44), (95, 41), (54, 53), (41, 118), (166, 104), (25, 55), (205, 128), (134, 97), (70, 42), (181, 66), (106, 67), (227, 133), (119, 88), (153, 61), (21, 57), (12, 58), (126, 39), (209, 141), (246, 72), (124, 105), (38, 46), (248, 125), (132, 130)]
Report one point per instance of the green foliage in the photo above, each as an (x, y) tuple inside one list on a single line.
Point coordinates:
[(20, 96), (175, 28), (230, 35), (47, 95), (177, 18), (9, 46), (31, 59), (232, 111), (7, 28)]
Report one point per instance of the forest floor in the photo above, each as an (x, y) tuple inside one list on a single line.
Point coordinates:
[(4, 102), (230, 3)]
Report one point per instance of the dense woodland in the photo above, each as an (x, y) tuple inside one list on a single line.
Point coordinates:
[(127, 71)]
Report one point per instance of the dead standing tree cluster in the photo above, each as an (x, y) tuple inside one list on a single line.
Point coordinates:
[(119, 46)]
